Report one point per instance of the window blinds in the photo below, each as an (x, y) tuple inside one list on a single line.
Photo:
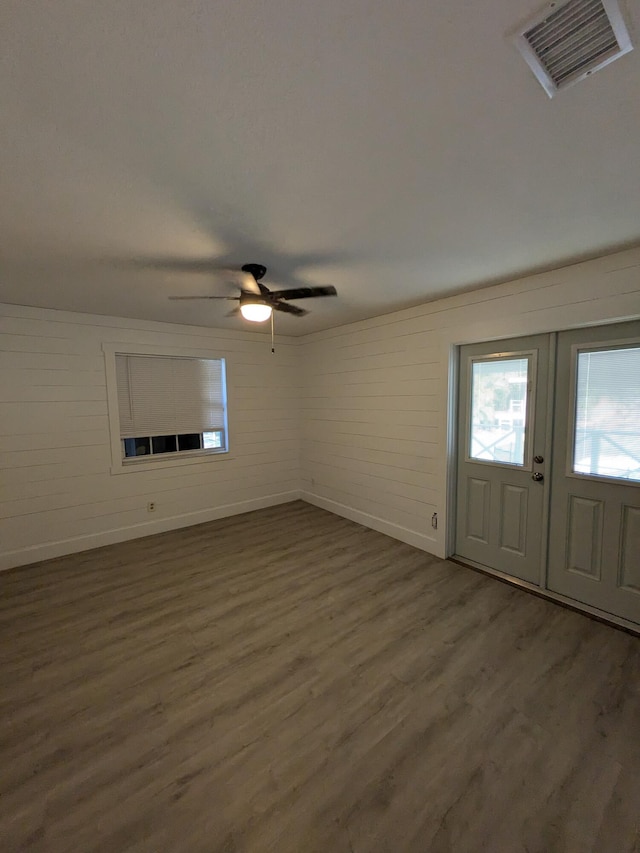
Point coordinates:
[(159, 395), (607, 427)]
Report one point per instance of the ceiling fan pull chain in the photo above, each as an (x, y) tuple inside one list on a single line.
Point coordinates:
[(272, 347)]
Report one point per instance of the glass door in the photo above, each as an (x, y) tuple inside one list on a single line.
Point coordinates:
[(594, 542), (501, 491)]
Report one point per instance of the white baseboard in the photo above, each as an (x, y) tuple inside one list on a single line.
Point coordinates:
[(404, 534), (48, 550)]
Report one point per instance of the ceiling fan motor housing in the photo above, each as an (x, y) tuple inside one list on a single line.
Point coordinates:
[(256, 270), (247, 298)]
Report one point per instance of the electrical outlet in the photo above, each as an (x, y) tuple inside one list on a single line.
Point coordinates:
[(151, 506)]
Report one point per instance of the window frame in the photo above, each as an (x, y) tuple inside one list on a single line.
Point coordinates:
[(531, 355), (178, 458), (576, 350), (173, 453)]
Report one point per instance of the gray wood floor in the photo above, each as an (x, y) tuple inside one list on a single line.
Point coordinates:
[(290, 681)]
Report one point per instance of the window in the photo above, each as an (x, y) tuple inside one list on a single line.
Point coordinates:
[(168, 406), (499, 391), (606, 440)]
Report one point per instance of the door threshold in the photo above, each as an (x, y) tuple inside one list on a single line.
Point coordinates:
[(556, 598)]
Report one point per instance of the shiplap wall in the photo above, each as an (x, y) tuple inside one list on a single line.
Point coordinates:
[(370, 408), (376, 436), (57, 491)]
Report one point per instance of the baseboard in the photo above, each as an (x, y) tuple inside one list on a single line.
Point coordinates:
[(396, 531), (49, 550)]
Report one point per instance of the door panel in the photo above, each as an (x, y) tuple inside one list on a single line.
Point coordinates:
[(502, 417), (630, 549), (513, 519), (584, 537), (478, 503), (594, 533)]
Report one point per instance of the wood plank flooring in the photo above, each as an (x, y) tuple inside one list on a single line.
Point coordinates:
[(290, 681)]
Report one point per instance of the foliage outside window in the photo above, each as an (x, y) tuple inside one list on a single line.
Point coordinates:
[(499, 410)]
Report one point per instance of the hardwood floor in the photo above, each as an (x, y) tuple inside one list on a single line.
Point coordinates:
[(289, 681)]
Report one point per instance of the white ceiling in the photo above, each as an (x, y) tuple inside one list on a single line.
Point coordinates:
[(400, 151)]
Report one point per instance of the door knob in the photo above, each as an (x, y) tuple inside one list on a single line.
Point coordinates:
[(537, 476), (538, 460)]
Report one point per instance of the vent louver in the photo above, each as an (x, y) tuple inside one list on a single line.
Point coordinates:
[(568, 41)]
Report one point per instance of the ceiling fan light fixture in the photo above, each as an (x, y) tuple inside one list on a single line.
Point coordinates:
[(256, 312)]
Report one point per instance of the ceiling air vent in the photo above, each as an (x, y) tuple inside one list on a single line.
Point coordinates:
[(568, 41)]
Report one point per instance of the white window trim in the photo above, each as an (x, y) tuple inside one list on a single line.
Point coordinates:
[(185, 457), (532, 358), (576, 350)]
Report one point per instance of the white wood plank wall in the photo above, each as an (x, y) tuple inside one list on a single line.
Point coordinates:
[(57, 492), (353, 419), (375, 434)]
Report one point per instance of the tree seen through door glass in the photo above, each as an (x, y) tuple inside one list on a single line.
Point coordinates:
[(499, 410), (607, 428)]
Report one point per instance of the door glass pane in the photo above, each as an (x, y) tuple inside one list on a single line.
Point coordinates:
[(607, 431), (499, 410)]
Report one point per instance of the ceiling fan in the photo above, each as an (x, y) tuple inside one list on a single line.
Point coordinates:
[(257, 302)]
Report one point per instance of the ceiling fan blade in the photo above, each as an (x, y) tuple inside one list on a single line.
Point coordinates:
[(234, 312), (289, 309), (247, 283), (171, 264), (305, 292), (239, 278), (175, 298)]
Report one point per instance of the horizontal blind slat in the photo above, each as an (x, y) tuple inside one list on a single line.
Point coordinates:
[(124, 396), (168, 396)]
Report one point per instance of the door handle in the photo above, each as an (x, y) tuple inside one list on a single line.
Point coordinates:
[(537, 476)]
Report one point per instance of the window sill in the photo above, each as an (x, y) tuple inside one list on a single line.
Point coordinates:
[(169, 460)]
